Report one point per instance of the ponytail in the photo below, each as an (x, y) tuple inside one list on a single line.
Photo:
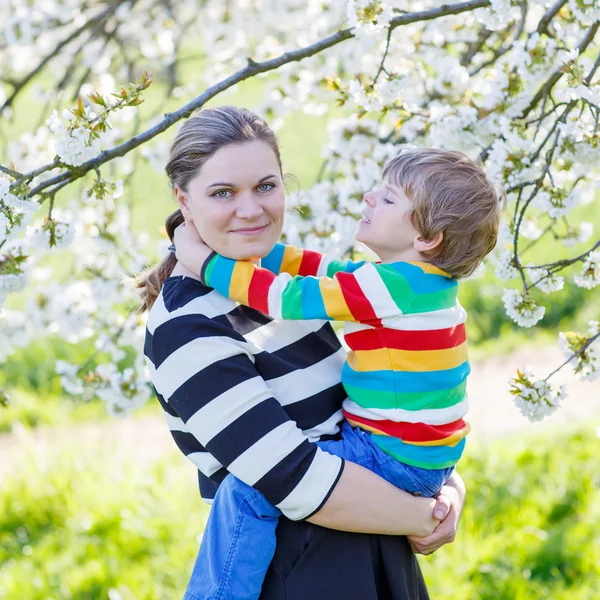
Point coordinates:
[(150, 281)]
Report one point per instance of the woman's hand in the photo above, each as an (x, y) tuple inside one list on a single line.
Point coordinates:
[(450, 502), (189, 247)]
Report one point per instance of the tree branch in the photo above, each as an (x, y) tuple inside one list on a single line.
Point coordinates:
[(557, 75), (550, 14)]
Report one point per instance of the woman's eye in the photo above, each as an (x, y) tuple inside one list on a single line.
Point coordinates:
[(222, 194), (265, 187)]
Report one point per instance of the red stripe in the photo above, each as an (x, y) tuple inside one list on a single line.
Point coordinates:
[(258, 290), (411, 432), (309, 265), (434, 339), (357, 302)]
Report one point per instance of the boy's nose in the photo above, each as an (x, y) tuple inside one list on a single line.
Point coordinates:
[(369, 198)]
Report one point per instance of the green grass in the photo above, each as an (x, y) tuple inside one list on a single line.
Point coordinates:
[(90, 525)]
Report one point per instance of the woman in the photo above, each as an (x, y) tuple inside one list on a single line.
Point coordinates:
[(248, 395)]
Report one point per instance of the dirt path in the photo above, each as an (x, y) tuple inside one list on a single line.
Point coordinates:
[(492, 414)]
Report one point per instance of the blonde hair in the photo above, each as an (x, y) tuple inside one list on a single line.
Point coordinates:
[(450, 193), (199, 138)]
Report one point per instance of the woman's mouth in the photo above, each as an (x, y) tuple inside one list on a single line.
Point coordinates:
[(251, 230)]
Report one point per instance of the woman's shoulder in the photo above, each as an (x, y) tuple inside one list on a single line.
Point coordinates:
[(184, 300)]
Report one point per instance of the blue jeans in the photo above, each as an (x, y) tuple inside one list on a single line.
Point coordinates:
[(239, 540)]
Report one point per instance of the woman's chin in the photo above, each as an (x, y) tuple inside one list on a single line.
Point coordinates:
[(251, 250)]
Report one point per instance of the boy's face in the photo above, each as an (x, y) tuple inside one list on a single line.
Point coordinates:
[(386, 226)]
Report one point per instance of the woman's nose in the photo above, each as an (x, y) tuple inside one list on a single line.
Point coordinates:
[(248, 207), (369, 198)]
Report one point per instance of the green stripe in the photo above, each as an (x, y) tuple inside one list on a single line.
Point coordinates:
[(434, 301), (210, 268), (398, 287), (291, 300), (336, 266), (407, 400)]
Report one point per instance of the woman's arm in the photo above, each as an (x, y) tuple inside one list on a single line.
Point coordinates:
[(365, 503), (206, 374)]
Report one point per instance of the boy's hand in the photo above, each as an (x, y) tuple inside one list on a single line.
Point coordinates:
[(189, 247)]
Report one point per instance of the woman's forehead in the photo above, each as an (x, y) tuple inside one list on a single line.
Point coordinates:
[(240, 164)]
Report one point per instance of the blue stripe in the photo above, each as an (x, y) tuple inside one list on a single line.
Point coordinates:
[(222, 272), (402, 381), (419, 281), (272, 261), (409, 453), (313, 306)]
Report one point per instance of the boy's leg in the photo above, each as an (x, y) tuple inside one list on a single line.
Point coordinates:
[(357, 446), (237, 546)]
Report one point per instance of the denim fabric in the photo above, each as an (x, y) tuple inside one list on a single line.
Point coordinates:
[(237, 546), (358, 446), (239, 541)]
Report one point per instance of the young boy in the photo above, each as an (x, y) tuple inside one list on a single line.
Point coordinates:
[(431, 223)]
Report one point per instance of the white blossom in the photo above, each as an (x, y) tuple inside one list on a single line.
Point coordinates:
[(521, 309), (589, 277), (535, 398), (543, 280), (504, 268)]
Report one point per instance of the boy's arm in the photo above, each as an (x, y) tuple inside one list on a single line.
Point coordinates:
[(363, 296), (285, 258)]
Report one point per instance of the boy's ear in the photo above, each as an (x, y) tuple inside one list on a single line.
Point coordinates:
[(183, 202), (422, 245)]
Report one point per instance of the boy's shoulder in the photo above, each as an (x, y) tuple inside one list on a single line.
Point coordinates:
[(417, 270)]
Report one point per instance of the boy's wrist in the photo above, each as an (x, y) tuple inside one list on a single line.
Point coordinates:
[(204, 266)]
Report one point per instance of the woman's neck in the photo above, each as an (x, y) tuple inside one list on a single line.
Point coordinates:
[(181, 269)]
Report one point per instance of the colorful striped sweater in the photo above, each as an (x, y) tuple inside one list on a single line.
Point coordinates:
[(406, 371)]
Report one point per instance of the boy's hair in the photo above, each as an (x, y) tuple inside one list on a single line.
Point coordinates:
[(450, 193)]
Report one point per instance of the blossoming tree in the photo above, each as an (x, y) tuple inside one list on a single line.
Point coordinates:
[(514, 82)]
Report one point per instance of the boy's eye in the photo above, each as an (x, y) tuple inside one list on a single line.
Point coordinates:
[(387, 201), (265, 187), (222, 194)]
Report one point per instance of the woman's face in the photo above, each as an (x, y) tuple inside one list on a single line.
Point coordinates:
[(237, 201)]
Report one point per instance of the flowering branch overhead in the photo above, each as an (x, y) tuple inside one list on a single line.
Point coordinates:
[(512, 81)]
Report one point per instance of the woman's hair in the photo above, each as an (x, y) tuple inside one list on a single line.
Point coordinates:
[(450, 193), (199, 138)]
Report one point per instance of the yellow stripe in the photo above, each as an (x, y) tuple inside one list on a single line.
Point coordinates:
[(429, 268), (333, 299), (408, 360), (451, 440), (366, 427), (290, 263), (240, 281)]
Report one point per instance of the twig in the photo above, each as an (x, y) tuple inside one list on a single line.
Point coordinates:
[(575, 354), (385, 53), (561, 264)]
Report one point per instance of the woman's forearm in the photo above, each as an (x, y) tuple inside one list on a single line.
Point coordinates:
[(363, 502)]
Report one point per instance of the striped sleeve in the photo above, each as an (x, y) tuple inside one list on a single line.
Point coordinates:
[(206, 374), (366, 295), (295, 261)]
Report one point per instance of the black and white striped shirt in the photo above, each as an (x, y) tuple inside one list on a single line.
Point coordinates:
[(246, 394)]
